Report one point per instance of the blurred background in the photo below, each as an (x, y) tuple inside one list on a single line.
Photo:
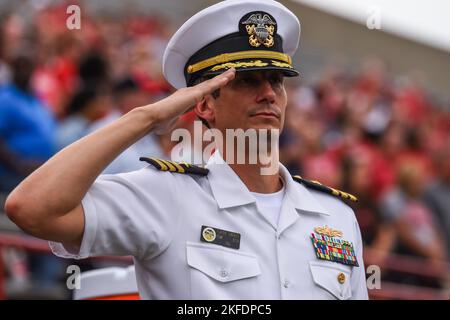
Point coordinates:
[(370, 114)]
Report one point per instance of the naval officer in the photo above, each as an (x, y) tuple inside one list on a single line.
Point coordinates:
[(223, 231)]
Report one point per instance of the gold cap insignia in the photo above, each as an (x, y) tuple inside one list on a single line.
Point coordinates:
[(260, 27)]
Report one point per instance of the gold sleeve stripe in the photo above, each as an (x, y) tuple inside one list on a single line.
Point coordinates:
[(180, 169), (335, 192), (185, 163), (227, 57), (176, 167), (170, 165), (161, 164), (320, 187)]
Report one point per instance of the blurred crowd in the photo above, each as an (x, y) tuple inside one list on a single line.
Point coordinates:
[(378, 136), (387, 142)]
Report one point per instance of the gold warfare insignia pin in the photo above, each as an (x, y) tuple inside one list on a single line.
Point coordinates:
[(260, 27), (328, 246), (326, 230), (220, 237)]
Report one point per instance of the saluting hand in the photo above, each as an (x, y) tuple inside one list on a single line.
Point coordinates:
[(167, 111)]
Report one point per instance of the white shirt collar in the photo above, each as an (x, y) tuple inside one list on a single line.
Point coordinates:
[(229, 190)]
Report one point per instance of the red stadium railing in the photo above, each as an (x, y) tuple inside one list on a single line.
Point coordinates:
[(31, 244), (388, 290), (411, 265)]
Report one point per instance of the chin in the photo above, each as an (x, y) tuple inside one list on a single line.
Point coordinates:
[(268, 128), (268, 124)]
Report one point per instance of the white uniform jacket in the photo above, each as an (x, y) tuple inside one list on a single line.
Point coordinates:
[(157, 217)]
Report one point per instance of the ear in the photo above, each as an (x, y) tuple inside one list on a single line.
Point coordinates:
[(205, 109)]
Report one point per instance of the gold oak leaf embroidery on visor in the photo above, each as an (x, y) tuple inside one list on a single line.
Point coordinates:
[(280, 64), (228, 65), (237, 56)]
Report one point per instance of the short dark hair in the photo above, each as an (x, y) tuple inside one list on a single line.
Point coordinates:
[(215, 95)]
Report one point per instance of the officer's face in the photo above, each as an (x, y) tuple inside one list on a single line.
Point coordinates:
[(253, 99)]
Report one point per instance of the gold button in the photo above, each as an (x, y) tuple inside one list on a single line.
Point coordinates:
[(341, 278)]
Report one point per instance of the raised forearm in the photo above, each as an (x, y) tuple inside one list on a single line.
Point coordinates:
[(60, 184), (47, 203)]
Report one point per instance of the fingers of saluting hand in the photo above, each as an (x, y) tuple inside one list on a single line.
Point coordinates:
[(209, 86), (185, 98)]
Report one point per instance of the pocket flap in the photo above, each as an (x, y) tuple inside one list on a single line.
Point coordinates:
[(332, 277), (222, 264)]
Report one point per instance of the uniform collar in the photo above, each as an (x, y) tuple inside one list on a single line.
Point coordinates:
[(301, 198), (229, 190)]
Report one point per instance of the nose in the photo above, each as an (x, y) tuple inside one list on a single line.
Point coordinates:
[(266, 92)]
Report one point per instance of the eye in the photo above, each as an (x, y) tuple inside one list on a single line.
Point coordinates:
[(246, 80), (276, 79)]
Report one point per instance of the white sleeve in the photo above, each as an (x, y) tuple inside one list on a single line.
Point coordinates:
[(358, 281), (127, 214)]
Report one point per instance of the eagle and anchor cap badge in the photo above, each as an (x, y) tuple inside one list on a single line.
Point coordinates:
[(246, 35), (260, 28)]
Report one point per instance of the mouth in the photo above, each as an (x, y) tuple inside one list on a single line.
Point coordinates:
[(266, 114)]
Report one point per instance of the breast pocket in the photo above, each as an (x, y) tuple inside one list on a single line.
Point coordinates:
[(221, 273), (333, 278)]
